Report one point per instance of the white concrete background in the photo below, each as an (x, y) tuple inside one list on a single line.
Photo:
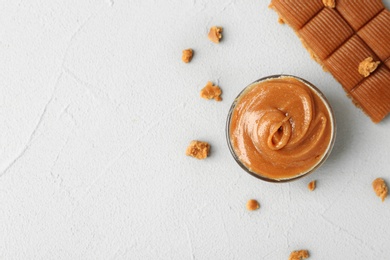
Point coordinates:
[(97, 109)]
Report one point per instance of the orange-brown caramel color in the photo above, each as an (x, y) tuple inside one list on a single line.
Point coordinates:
[(280, 128)]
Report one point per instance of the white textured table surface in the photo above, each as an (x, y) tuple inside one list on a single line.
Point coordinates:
[(97, 109)]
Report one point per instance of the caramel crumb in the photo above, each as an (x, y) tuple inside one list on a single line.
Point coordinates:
[(368, 66), (380, 188), (198, 149), (215, 34), (187, 55), (312, 185), (299, 255), (329, 3), (252, 205), (280, 20), (211, 92)]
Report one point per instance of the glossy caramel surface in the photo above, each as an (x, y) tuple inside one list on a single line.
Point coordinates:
[(280, 128)]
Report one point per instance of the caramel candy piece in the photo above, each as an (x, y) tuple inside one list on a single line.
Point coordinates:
[(312, 185), (211, 92), (299, 255), (297, 13), (367, 66), (380, 188), (376, 34), (373, 94), (329, 3), (325, 33), (198, 149), (344, 62), (187, 55), (358, 13), (215, 34), (252, 205)]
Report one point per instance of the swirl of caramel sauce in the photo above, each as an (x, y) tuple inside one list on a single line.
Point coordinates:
[(280, 128)]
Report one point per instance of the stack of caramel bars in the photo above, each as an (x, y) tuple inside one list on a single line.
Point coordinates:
[(340, 37)]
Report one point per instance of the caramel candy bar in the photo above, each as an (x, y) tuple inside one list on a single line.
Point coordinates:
[(340, 39), (342, 62), (376, 34), (360, 12), (325, 33), (373, 94)]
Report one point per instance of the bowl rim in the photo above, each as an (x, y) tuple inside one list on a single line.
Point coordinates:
[(309, 171)]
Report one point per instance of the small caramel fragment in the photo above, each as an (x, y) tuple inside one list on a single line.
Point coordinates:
[(380, 188), (299, 255), (187, 55), (252, 205), (367, 66), (280, 20), (211, 92), (198, 149), (215, 34), (312, 185), (329, 3)]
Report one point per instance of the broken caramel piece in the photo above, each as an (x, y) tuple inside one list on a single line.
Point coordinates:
[(329, 3), (215, 34), (187, 55), (367, 66), (198, 149), (312, 185), (380, 188), (211, 92), (252, 205), (299, 255), (280, 20)]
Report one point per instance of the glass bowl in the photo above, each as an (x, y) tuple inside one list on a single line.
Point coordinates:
[(325, 155)]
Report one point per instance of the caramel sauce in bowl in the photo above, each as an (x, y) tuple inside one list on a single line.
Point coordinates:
[(280, 128)]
